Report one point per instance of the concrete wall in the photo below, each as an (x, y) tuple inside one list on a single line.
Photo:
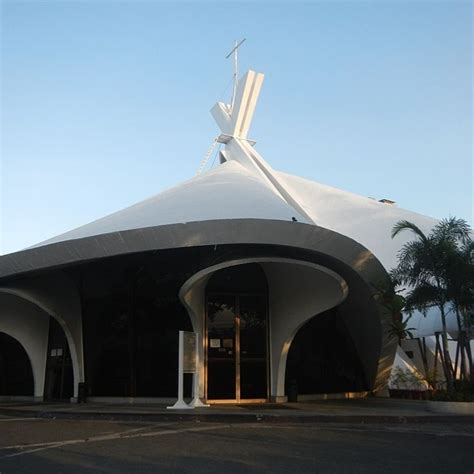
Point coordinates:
[(29, 325), (369, 329)]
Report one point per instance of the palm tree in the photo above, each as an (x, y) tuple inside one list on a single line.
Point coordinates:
[(460, 286), (429, 266), (399, 329), (460, 278)]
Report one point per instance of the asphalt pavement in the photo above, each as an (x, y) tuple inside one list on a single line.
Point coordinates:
[(48, 445)]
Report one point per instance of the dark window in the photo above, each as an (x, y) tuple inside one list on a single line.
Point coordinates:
[(132, 315)]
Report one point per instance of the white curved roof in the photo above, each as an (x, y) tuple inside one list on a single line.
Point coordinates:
[(245, 186), (229, 191), (365, 220)]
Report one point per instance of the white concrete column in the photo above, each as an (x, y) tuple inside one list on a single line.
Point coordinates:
[(193, 297)]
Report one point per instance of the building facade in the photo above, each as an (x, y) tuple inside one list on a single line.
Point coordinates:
[(277, 274)]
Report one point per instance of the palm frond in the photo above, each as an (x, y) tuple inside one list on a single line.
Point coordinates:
[(423, 296), (452, 229), (407, 225)]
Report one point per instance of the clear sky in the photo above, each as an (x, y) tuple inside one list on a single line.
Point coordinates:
[(105, 103)]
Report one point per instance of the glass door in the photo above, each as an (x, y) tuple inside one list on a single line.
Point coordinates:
[(237, 362)]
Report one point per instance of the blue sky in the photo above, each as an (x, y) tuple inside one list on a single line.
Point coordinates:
[(106, 103)]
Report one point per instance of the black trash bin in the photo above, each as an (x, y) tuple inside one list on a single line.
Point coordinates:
[(293, 391), (81, 393)]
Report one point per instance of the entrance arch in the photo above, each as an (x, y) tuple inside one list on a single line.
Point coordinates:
[(16, 373), (297, 291)]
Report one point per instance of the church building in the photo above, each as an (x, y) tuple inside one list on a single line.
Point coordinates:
[(278, 275)]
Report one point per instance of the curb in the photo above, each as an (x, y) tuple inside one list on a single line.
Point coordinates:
[(240, 418)]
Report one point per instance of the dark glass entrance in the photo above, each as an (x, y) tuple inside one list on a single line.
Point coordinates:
[(237, 352)]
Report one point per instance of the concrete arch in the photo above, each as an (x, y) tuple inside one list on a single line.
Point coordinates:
[(57, 298), (29, 325), (332, 249), (299, 279)]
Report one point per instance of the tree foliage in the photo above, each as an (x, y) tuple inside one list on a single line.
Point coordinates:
[(437, 269)]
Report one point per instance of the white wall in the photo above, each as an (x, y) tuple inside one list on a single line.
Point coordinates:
[(29, 325)]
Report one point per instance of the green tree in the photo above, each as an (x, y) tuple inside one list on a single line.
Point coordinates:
[(430, 266), (399, 329), (388, 295)]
